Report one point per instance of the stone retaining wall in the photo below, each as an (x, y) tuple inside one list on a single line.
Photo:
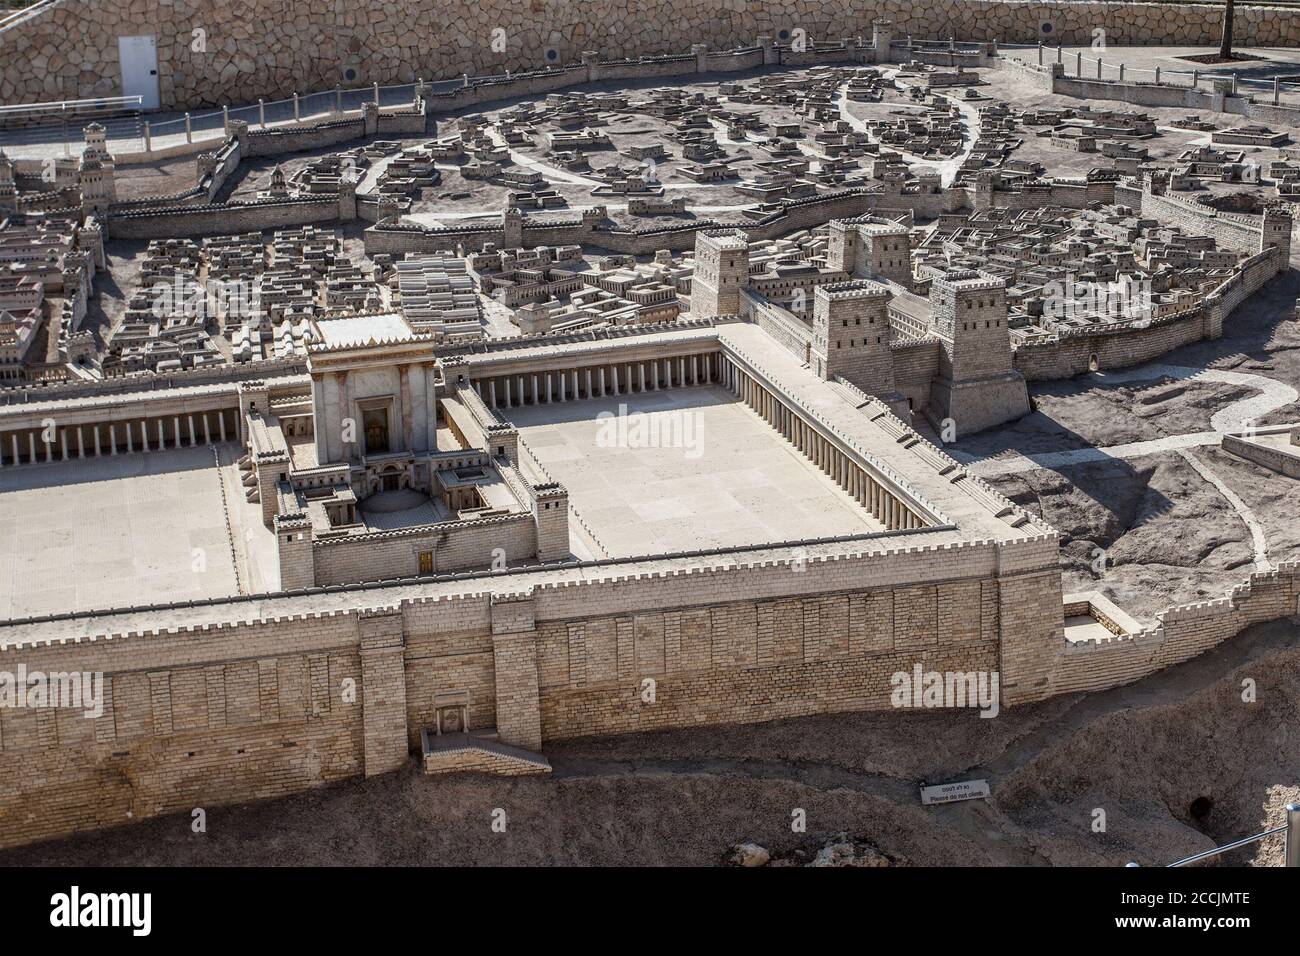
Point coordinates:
[(272, 48)]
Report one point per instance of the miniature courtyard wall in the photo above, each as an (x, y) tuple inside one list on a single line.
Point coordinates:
[(1181, 633), (204, 715), (67, 49)]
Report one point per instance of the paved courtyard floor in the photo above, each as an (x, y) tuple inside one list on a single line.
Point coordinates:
[(725, 479), (109, 532)]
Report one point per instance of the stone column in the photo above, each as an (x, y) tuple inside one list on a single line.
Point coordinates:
[(345, 447), (193, 440), (408, 416), (492, 393)]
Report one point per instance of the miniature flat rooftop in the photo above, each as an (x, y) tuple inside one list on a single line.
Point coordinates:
[(364, 330)]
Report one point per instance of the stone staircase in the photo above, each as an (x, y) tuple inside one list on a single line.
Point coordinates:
[(248, 477), (478, 753)]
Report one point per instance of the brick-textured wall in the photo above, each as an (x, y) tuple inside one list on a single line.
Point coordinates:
[(194, 722), (757, 660), (1181, 633)]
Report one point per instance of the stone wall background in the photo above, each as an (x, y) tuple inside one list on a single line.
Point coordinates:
[(270, 48)]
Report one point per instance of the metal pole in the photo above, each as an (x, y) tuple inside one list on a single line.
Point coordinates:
[(261, 112), (189, 130), (1292, 857), (297, 112)]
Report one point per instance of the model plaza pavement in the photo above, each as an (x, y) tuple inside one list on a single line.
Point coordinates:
[(723, 479), (101, 532)]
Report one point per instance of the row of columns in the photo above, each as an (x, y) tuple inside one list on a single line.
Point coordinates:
[(32, 446), (821, 451), (596, 381)]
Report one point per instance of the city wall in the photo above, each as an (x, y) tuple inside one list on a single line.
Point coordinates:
[(205, 715), (68, 48), (1181, 633)]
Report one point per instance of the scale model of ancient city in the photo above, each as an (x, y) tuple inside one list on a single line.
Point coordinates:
[(653, 415)]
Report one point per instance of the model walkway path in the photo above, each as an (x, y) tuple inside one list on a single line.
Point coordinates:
[(1234, 416)]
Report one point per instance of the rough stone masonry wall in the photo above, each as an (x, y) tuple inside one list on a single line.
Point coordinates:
[(214, 715), (1182, 632), (190, 720), (271, 48), (758, 660)]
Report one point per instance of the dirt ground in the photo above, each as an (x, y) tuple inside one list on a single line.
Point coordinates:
[(1140, 754)]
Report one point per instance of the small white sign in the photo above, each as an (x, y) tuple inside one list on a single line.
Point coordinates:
[(953, 792)]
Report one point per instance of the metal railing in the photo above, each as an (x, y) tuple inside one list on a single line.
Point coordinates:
[(1290, 857), (1280, 88)]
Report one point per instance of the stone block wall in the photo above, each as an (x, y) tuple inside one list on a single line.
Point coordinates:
[(190, 720), (1181, 633), (275, 48), (757, 660), (222, 218), (459, 546)]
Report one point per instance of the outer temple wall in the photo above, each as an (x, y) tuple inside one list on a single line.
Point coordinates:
[(200, 718)]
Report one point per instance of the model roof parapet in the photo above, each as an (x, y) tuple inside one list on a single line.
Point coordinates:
[(853, 289)]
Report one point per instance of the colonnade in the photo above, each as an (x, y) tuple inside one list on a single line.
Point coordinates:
[(842, 468), (50, 442), (544, 386)]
